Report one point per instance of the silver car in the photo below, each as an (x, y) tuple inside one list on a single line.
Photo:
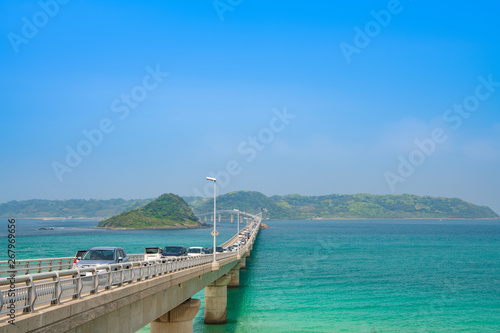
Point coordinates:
[(102, 256)]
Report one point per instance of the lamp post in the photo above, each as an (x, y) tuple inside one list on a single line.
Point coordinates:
[(236, 210), (215, 264)]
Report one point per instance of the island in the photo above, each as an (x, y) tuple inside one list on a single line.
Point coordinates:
[(353, 206), (168, 211)]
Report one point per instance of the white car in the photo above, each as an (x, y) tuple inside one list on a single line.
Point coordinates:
[(195, 251), (153, 253)]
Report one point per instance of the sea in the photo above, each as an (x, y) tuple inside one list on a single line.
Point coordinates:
[(328, 275)]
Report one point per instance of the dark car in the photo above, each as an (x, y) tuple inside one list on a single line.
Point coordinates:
[(78, 256), (102, 256), (174, 251), (218, 249)]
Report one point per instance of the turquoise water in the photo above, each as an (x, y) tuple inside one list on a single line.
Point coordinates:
[(338, 276)]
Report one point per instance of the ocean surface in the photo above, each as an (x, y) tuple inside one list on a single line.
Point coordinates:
[(328, 276)]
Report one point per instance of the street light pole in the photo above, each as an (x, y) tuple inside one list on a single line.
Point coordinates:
[(238, 232), (215, 264)]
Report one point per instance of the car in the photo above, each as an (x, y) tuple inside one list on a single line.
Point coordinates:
[(78, 256), (174, 251), (102, 256), (218, 249), (195, 251), (153, 253)]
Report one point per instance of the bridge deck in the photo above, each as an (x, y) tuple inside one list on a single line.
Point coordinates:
[(37, 295)]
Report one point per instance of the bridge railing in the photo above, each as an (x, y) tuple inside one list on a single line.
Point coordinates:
[(32, 266), (25, 292), (136, 257)]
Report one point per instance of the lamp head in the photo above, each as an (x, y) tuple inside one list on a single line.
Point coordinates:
[(211, 179)]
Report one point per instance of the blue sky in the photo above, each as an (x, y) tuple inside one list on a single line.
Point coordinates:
[(285, 97)]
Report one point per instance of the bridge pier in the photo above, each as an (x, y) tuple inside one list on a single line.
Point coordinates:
[(179, 319), (234, 277), (243, 263), (216, 301)]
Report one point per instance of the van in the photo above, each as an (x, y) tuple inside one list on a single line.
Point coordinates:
[(174, 251), (195, 251), (153, 253)]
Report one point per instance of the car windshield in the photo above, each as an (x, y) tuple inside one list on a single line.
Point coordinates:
[(152, 250), (99, 255), (219, 249), (195, 250), (172, 250)]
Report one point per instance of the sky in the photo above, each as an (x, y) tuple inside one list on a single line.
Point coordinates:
[(132, 99)]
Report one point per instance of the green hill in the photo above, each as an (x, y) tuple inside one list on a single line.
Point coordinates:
[(295, 206), (381, 206), (68, 208), (167, 211), (245, 201)]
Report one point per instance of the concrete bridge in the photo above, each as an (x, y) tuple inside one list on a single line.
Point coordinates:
[(122, 297), (223, 215)]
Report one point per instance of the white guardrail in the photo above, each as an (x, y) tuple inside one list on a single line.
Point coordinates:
[(54, 285), (33, 266)]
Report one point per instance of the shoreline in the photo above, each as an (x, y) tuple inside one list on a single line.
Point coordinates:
[(156, 228), (303, 219)]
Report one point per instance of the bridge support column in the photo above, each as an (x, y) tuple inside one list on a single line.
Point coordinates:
[(179, 319), (243, 262), (216, 301), (234, 277)]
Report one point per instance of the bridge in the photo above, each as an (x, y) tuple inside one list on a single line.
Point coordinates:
[(49, 295), (209, 217)]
